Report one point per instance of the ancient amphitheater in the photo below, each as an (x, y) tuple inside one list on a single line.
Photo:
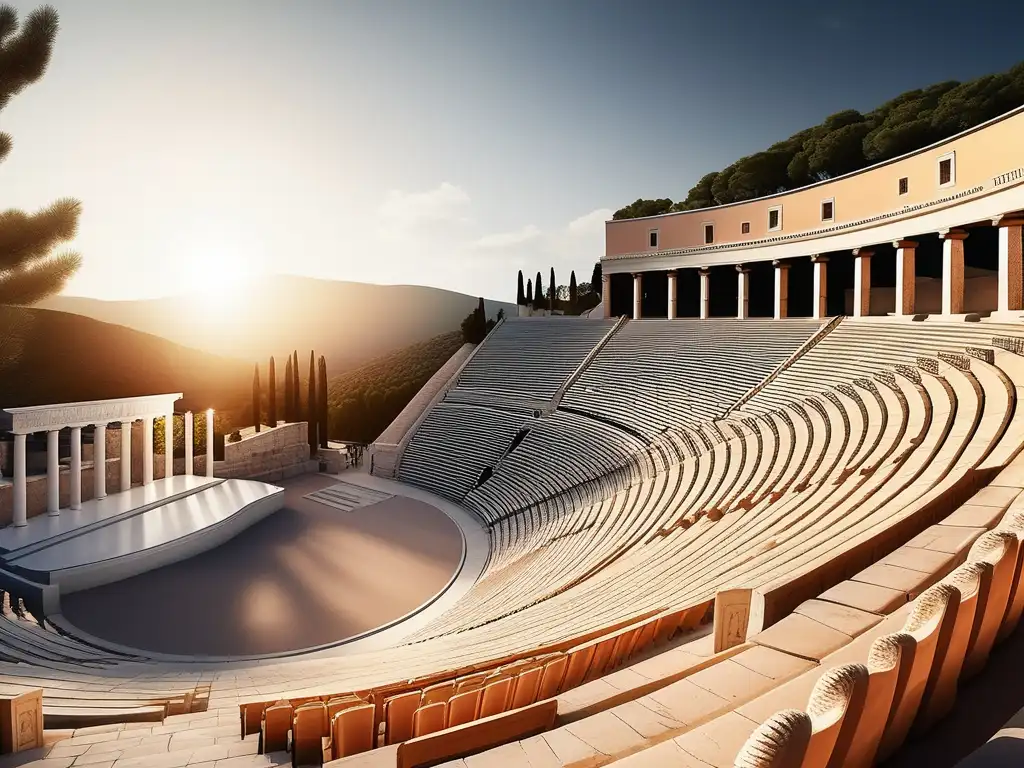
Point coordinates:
[(691, 537)]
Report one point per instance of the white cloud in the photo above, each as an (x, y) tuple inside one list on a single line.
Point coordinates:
[(507, 239), (407, 210), (590, 223)]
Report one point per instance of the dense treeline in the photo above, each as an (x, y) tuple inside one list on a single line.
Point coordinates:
[(364, 401), (848, 141)]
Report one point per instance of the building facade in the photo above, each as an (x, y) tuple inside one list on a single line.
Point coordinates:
[(944, 193)]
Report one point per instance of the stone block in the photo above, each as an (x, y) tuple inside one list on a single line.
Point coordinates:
[(21, 722), (732, 616)]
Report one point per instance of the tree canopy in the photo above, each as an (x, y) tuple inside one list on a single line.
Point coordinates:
[(29, 271), (848, 141)]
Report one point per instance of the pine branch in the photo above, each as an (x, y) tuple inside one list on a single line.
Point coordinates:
[(8, 22), (14, 326), (24, 238), (24, 58), (5, 145), (44, 278)]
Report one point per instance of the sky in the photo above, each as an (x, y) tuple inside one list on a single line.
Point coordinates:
[(435, 142)]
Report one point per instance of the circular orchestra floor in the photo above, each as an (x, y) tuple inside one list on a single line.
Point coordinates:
[(308, 575)]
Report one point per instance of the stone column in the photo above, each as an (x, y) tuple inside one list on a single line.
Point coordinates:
[(638, 295), (953, 271), (126, 455), (606, 299), (820, 308), (190, 437), (672, 301), (742, 292), (147, 450), (169, 445), (862, 281), (20, 512), (99, 462), (52, 473), (705, 293), (1010, 289), (75, 484), (906, 285), (781, 289), (209, 442)]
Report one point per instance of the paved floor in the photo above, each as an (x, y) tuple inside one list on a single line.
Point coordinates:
[(307, 575)]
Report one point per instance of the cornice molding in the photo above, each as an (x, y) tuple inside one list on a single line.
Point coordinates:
[(39, 418)]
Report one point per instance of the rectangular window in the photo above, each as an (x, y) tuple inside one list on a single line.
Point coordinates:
[(947, 170), (775, 219), (709, 234), (745, 228), (828, 210), (904, 185), (652, 239)]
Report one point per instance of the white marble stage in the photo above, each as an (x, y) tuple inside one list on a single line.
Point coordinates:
[(135, 531)]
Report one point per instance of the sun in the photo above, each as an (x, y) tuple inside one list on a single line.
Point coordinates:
[(216, 279)]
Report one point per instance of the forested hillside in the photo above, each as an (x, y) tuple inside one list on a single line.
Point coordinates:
[(848, 141), (365, 400)]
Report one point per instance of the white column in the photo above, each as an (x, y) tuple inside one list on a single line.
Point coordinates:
[(672, 301), (742, 292), (705, 293), (126, 455), (99, 462), (953, 271), (20, 482), (209, 442), (862, 281), (1010, 289), (75, 480), (169, 445), (638, 294), (820, 307), (781, 290), (906, 284), (52, 474), (147, 450), (190, 438)]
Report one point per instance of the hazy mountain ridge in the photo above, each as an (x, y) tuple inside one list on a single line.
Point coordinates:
[(350, 323)]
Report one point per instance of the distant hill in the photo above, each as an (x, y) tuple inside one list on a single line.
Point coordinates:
[(349, 323), (364, 401), (59, 357)]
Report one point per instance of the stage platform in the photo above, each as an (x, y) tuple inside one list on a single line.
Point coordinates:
[(135, 531)]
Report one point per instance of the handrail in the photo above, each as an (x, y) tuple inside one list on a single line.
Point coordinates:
[(804, 348), (556, 398)]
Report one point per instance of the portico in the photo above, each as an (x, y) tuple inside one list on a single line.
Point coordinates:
[(51, 419)]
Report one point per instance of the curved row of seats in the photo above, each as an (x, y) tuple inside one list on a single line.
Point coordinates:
[(805, 499), (657, 374)]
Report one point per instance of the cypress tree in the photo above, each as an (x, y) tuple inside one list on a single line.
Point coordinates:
[(538, 292), (272, 394), (288, 417), (520, 295), (296, 391), (529, 292), (553, 291), (311, 419), (256, 397), (595, 279), (29, 271), (322, 392), (481, 319), (573, 290)]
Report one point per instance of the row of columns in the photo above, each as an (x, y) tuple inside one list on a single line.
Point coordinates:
[(20, 510), (1010, 291)]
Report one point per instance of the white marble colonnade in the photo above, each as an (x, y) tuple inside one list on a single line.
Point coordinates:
[(53, 418)]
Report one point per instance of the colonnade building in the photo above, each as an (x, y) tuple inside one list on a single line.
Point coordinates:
[(935, 231)]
